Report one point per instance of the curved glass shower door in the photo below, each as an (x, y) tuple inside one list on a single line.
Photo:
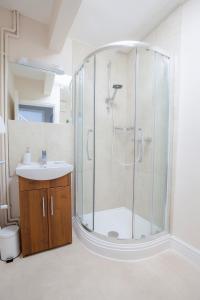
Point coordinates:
[(151, 140), (122, 122), (144, 137), (84, 95), (114, 140)]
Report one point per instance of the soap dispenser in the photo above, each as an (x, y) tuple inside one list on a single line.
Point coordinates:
[(27, 157)]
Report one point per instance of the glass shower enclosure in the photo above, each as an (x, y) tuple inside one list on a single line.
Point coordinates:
[(122, 142)]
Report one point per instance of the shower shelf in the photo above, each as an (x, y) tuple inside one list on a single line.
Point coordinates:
[(123, 128), (147, 139)]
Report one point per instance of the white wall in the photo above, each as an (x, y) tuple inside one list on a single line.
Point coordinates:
[(79, 52), (179, 34), (186, 222)]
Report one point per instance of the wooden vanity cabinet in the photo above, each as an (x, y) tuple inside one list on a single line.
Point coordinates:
[(45, 214), (59, 216)]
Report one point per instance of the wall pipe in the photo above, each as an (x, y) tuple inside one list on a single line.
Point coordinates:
[(5, 34)]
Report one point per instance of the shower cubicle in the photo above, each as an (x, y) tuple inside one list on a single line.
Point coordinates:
[(122, 142)]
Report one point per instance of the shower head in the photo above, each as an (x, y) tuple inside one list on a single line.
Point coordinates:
[(117, 86), (110, 100)]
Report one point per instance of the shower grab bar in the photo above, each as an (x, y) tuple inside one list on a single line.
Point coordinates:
[(140, 142), (87, 144)]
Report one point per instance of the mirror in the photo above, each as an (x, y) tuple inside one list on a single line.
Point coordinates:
[(37, 95)]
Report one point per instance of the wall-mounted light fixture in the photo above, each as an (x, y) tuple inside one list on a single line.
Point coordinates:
[(41, 66)]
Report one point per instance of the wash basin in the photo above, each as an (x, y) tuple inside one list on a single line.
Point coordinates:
[(48, 171)]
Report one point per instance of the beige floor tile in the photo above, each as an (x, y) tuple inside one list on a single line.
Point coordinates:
[(73, 273)]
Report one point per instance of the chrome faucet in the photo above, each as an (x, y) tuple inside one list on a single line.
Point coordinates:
[(44, 157)]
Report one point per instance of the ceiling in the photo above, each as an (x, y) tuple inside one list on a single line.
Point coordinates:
[(58, 15), (96, 22), (103, 21), (39, 10)]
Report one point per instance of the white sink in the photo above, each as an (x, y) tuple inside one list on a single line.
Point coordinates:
[(51, 170)]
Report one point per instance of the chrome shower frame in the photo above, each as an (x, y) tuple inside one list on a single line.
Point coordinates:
[(133, 45)]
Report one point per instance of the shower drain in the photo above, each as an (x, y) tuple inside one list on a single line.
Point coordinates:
[(113, 234)]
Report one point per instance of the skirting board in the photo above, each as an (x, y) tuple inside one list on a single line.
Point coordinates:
[(131, 252), (188, 251)]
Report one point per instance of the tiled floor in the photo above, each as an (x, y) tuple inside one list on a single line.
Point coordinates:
[(73, 273)]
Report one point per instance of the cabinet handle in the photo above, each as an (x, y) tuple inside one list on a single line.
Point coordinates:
[(43, 206), (52, 205)]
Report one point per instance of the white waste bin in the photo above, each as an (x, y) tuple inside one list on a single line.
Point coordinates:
[(9, 242)]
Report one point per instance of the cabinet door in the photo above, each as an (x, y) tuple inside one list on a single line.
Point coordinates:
[(34, 221), (60, 223)]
